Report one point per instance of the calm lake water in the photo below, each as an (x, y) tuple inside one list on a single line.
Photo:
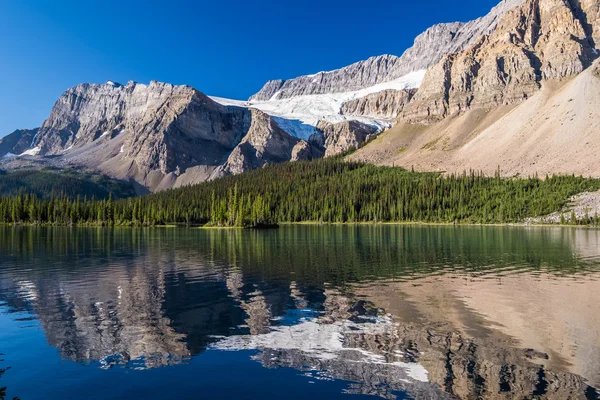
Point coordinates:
[(432, 312)]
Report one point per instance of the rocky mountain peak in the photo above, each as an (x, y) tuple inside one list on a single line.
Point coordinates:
[(536, 41), (429, 47), (353, 77)]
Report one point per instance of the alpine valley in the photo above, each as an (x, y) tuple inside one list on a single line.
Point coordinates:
[(517, 88)]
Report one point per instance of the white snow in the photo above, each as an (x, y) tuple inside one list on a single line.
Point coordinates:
[(31, 152), (229, 102), (9, 155), (295, 127), (104, 134), (300, 112), (122, 149), (33, 140)]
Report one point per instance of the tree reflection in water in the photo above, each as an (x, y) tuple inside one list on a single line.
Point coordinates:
[(419, 310)]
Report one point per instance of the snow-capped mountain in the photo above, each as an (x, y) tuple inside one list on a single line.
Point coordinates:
[(429, 47), (465, 74), (300, 115), (300, 104)]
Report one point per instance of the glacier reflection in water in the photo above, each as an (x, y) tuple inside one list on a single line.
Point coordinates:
[(389, 311)]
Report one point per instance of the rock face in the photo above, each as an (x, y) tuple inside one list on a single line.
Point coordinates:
[(165, 126), (266, 143), (539, 40), (151, 132), (386, 104), (553, 132), (17, 142), (449, 38), (428, 49), (353, 77), (343, 136)]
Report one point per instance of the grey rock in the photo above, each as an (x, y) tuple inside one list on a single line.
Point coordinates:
[(343, 136), (387, 104), (165, 126), (155, 133), (17, 142), (537, 41), (266, 143)]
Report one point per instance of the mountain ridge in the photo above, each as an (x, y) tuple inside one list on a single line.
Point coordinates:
[(161, 135), (428, 48)]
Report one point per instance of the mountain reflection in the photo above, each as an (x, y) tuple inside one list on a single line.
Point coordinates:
[(434, 312)]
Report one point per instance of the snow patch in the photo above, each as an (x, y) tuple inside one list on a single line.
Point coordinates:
[(31, 152), (122, 149), (296, 113), (230, 102), (296, 127), (9, 155), (104, 134), (34, 137)]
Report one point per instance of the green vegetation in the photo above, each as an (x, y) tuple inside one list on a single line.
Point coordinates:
[(326, 190), (47, 182)]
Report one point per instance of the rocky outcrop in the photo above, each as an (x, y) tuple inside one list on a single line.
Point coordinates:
[(353, 77), (266, 143), (166, 127), (539, 40), (17, 142), (449, 38), (387, 104), (553, 132), (155, 133), (428, 49), (343, 136)]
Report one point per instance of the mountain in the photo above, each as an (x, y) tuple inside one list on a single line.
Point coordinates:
[(554, 131), (523, 99), (429, 47), (538, 41), (160, 135), (17, 142), (371, 92), (465, 95)]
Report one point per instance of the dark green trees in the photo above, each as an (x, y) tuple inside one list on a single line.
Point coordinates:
[(326, 190)]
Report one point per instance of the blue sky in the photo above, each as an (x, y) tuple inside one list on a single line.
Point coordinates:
[(226, 48)]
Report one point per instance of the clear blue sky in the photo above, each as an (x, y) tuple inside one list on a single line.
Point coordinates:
[(225, 48)]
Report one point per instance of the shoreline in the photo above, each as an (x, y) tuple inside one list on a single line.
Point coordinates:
[(302, 223)]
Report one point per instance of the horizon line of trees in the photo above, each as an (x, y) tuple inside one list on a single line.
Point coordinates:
[(324, 190)]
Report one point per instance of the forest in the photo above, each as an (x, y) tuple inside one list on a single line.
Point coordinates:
[(44, 182), (319, 191)]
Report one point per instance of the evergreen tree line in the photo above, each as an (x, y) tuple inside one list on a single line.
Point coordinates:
[(325, 190), (44, 182)]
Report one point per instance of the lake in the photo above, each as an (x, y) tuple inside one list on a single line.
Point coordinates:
[(388, 311)]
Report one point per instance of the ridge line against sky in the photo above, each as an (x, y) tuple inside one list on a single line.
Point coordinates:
[(227, 49)]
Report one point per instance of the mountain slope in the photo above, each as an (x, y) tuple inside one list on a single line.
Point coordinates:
[(537, 41), (371, 92), (47, 182), (154, 134), (17, 142), (554, 131)]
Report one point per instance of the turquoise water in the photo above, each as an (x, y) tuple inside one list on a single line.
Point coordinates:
[(303, 311)]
